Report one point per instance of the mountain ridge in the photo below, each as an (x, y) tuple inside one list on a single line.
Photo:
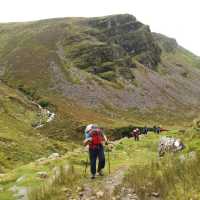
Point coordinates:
[(113, 64)]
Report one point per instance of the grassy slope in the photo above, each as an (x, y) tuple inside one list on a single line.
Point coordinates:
[(136, 155), (20, 143), (170, 177), (30, 47), (27, 49)]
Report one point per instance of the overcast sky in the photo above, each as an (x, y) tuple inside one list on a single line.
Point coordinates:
[(175, 18)]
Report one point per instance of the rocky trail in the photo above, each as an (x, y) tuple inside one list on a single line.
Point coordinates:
[(108, 187), (111, 187), (105, 188)]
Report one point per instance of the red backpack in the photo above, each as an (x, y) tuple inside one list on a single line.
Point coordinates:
[(97, 137)]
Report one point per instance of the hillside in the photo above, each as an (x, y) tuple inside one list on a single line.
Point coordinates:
[(109, 70), (112, 64), (20, 141)]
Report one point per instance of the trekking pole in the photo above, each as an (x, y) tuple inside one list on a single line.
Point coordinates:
[(108, 162), (86, 165)]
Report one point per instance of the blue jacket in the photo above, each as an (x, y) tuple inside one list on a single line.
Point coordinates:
[(87, 135)]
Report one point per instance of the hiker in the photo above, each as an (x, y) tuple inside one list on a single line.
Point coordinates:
[(135, 133), (154, 129), (158, 130), (94, 137), (145, 130)]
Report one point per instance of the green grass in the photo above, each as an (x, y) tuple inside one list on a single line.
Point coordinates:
[(20, 142), (126, 153), (168, 176), (29, 171), (26, 50), (145, 169), (67, 178)]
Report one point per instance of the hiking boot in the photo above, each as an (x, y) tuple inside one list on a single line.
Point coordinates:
[(93, 176), (100, 173)]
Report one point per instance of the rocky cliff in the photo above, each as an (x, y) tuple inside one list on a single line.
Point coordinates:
[(113, 64)]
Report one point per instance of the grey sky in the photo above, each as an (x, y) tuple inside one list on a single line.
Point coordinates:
[(175, 18)]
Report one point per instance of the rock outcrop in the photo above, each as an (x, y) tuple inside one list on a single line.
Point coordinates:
[(106, 63), (169, 144)]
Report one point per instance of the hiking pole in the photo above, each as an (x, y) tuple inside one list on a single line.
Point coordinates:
[(108, 160), (86, 165)]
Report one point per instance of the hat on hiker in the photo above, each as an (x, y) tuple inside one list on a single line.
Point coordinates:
[(90, 127)]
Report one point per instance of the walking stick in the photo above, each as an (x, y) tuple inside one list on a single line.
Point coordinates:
[(108, 161), (86, 165)]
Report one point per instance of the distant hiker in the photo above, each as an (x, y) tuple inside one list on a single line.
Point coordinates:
[(135, 133), (145, 130), (158, 130), (154, 129), (94, 137)]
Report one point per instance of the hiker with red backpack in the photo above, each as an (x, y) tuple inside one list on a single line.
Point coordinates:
[(94, 137)]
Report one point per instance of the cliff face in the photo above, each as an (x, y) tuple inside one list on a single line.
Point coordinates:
[(108, 63)]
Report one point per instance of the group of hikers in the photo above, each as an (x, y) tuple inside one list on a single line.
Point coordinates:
[(138, 131), (95, 139)]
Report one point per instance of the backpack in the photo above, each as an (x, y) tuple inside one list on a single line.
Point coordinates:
[(97, 137)]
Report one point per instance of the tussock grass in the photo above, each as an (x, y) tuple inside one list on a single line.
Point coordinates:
[(170, 177), (51, 188)]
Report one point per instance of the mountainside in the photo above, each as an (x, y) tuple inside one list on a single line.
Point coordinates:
[(112, 61), (58, 75), (112, 65)]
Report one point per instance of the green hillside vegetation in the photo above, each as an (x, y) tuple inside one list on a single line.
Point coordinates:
[(99, 63), (169, 176), (20, 142), (112, 71)]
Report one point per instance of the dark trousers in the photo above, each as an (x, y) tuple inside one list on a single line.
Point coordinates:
[(136, 137), (94, 153)]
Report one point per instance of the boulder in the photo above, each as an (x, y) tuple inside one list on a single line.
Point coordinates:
[(169, 144)]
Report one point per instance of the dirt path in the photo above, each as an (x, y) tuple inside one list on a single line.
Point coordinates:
[(105, 188)]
